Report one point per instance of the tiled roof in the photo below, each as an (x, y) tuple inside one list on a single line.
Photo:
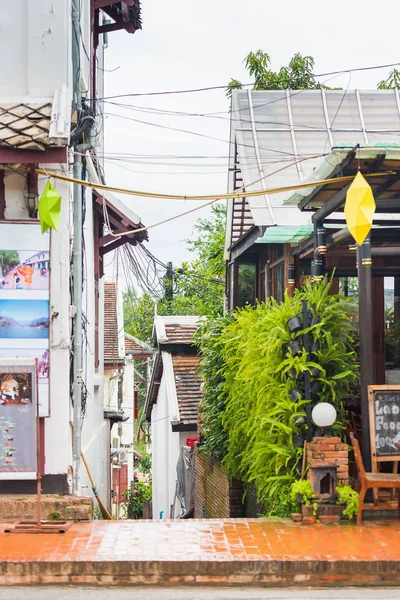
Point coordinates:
[(134, 346), (188, 386), (25, 125), (111, 353), (180, 334)]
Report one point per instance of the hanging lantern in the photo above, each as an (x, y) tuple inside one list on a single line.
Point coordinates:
[(359, 208), (49, 208)]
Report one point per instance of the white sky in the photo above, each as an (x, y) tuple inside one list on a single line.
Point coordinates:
[(185, 45)]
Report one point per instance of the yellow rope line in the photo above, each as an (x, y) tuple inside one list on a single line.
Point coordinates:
[(248, 194)]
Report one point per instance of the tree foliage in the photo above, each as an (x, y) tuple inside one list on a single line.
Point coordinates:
[(298, 75), (8, 259), (194, 288), (392, 82)]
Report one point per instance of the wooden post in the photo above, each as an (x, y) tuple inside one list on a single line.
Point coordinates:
[(379, 329), (35, 383), (307, 390), (367, 366), (396, 300)]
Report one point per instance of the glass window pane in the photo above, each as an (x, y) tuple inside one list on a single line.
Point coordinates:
[(280, 282), (246, 284)]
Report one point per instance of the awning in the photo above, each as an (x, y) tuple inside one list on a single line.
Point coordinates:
[(285, 234)]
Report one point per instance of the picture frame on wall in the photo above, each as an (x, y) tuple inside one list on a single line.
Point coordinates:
[(18, 414), (25, 272)]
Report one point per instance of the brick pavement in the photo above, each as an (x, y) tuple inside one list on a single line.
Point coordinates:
[(224, 552)]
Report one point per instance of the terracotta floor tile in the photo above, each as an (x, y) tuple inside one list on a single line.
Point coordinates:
[(224, 540)]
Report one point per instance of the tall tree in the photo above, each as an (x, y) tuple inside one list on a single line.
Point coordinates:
[(298, 75), (392, 82)]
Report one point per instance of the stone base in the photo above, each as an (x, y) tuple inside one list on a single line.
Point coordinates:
[(24, 508), (323, 510)]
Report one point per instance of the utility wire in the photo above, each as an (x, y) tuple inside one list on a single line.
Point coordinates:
[(224, 87)]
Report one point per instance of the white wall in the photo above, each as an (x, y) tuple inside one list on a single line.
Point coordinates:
[(57, 428), (128, 407), (35, 44), (94, 429), (165, 454)]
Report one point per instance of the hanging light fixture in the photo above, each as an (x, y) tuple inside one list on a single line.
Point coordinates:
[(291, 274), (32, 195), (324, 415), (359, 208)]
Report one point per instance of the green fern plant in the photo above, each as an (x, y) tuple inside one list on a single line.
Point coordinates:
[(248, 418)]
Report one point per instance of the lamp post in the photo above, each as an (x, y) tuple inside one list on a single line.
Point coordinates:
[(324, 415)]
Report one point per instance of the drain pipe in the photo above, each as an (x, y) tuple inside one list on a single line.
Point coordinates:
[(77, 268)]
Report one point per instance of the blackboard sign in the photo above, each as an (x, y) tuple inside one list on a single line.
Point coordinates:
[(384, 414)]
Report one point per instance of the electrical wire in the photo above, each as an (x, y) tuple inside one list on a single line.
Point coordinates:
[(224, 87)]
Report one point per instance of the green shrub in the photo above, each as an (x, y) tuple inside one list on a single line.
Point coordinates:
[(144, 465), (348, 497), (134, 500), (302, 488), (247, 415), (213, 436)]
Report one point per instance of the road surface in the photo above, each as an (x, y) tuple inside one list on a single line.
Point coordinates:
[(192, 593)]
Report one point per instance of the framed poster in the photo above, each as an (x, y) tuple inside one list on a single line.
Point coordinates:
[(24, 299), (18, 410)]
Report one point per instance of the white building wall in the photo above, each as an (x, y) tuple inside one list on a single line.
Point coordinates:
[(57, 428), (94, 429), (35, 42), (165, 453), (128, 407)]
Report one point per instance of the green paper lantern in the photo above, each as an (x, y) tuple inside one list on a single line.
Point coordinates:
[(49, 208)]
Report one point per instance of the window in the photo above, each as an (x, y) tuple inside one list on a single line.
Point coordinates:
[(280, 282), (247, 274)]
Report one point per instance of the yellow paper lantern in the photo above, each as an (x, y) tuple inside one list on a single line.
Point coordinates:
[(359, 208)]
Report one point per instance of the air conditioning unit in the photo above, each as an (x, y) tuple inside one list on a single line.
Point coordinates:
[(122, 456)]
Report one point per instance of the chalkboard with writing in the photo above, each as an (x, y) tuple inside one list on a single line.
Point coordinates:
[(384, 414)]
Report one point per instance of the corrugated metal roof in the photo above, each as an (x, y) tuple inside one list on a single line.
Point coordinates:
[(285, 235), (275, 128)]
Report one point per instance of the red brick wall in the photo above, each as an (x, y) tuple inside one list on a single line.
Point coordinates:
[(24, 508), (220, 497), (332, 451)]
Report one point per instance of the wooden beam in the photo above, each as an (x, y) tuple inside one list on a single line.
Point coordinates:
[(50, 155), (2, 197), (113, 246)]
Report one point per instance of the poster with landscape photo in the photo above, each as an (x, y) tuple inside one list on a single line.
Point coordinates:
[(24, 299), (18, 399), (24, 319)]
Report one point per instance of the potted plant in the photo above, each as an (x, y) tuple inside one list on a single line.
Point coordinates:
[(294, 324), (295, 347)]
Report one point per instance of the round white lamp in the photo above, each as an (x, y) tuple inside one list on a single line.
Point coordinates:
[(324, 415)]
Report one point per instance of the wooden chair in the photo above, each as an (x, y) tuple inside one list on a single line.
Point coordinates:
[(372, 480)]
